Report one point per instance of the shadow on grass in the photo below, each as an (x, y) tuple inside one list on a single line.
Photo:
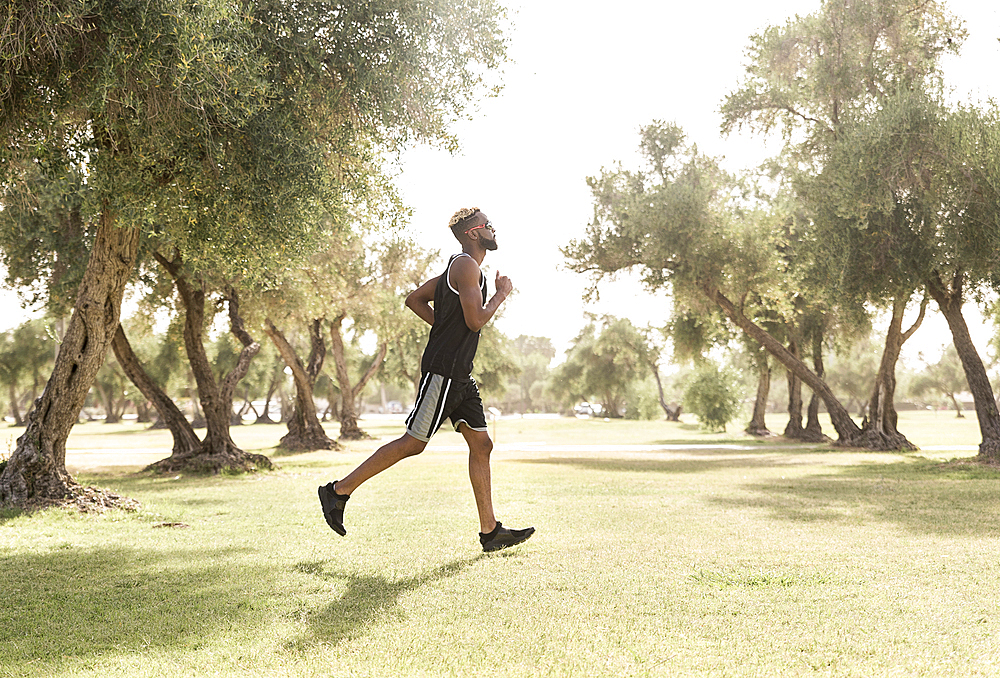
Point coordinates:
[(67, 605), (706, 461), (137, 482), (368, 598), (138, 429), (922, 496), (7, 514)]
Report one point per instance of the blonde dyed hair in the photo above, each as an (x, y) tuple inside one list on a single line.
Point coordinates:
[(461, 215)]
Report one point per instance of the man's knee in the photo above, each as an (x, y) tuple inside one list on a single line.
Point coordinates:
[(410, 446), (481, 446)]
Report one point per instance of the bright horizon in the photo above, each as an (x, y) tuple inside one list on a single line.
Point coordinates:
[(581, 84)]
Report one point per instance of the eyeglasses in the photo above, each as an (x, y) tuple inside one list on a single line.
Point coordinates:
[(488, 224)]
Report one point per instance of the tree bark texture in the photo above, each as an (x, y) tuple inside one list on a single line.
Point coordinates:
[(185, 439), (305, 432), (349, 429), (848, 431), (757, 425), (217, 451), (36, 474), (949, 300)]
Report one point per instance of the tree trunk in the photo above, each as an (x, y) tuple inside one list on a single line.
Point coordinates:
[(659, 391), (305, 432), (36, 474), (14, 410), (265, 416), (349, 429), (847, 431), (794, 427), (197, 416), (757, 425), (880, 421), (957, 405), (110, 409), (813, 431), (142, 407), (949, 300), (185, 439), (217, 452)]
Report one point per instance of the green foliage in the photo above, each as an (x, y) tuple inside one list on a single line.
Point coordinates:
[(914, 187), (526, 389), (224, 129), (26, 353), (604, 362), (642, 401), (713, 396), (495, 363), (44, 242), (818, 70)]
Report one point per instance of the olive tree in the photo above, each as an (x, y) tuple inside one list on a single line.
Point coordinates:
[(217, 130)]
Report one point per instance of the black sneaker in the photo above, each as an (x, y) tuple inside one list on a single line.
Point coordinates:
[(501, 537), (333, 507)]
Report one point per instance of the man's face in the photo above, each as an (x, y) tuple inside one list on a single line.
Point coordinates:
[(484, 231), (489, 237)]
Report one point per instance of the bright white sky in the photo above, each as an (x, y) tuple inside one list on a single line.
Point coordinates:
[(586, 76)]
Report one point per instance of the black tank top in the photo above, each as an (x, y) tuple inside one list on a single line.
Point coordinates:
[(452, 345)]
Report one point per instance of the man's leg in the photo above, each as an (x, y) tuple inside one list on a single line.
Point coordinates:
[(384, 457), (480, 447), (333, 496), (492, 535)]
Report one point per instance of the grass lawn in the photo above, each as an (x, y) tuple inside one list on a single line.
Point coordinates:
[(661, 550)]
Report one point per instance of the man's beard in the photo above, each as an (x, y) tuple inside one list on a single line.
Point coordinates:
[(489, 244)]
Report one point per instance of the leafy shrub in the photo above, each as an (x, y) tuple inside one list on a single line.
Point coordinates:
[(712, 396), (642, 401)]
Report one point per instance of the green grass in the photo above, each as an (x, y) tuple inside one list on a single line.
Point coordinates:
[(770, 560)]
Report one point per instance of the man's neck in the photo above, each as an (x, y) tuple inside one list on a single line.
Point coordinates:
[(476, 253)]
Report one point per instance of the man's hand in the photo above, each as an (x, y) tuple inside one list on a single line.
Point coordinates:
[(503, 285)]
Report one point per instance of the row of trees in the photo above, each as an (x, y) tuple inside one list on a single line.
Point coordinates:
[(884, 196), (215, 149), (611, 363)]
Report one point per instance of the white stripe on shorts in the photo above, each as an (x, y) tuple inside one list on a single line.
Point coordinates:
[(428, 411)]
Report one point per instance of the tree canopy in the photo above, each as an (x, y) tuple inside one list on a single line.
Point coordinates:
[(217, 131)]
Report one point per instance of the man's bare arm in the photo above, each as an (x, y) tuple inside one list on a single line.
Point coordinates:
[(465, 278), (419, 300)]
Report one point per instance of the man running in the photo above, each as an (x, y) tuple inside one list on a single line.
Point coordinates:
[(447, 389)]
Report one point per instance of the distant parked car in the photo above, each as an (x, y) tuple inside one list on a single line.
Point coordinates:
[(394, 407), (588, 409)]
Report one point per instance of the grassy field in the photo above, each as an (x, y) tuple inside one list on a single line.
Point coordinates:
[(661, 550)]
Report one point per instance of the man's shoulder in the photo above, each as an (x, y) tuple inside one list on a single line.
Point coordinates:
[(464, 266)]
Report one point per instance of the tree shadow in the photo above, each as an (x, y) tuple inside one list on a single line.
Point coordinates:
[(69, 603), (144, 481), (368, 599), (706, 461), (8, 514), (921, 496)]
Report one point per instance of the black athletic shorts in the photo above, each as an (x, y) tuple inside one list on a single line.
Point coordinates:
[(440, 397)]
